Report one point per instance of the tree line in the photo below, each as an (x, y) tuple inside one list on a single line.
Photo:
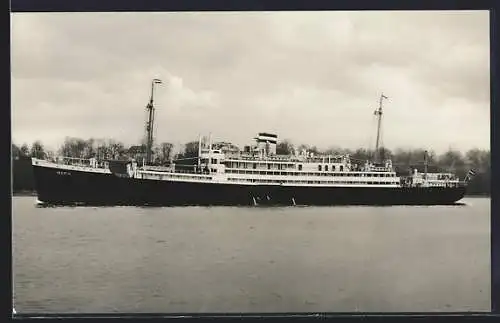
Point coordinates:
[(404, 160), (98, 148)]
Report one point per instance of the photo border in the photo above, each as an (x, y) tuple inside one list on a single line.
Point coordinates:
[(18, 6)]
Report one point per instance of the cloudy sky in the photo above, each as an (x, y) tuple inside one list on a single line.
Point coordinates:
[(311, 77)]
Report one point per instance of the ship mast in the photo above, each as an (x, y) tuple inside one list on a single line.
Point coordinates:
[(199, 150), (426, 161), (378, 113), (150, 123)]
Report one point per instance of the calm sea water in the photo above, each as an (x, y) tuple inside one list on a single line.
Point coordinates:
[(228, 259)]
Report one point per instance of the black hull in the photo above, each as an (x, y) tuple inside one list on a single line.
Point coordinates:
[(107, 189)]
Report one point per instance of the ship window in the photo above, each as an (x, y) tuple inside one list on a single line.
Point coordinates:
[(341, 168), (319, 167), (333, 168), (326, 168), (300, 167), (268, 166), (254, 165)]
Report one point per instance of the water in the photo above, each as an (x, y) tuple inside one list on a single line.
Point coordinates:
[(217, 259)]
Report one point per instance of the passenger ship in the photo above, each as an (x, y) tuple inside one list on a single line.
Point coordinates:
[(255, 176)]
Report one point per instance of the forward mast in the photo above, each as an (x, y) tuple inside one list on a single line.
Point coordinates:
[(150, 123)]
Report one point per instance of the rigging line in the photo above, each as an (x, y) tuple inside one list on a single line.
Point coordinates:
[(368, 145), (382, 141), (372, 130), (372, 139)]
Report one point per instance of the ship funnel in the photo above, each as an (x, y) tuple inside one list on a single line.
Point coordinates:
[(267, 141)]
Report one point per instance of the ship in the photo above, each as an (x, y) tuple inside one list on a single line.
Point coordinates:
[(254, 176)]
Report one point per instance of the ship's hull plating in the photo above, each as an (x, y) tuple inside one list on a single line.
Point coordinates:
[(107, 189)]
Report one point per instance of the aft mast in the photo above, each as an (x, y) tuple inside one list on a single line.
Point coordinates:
[(150, 123), (199, 151), (378, 113)]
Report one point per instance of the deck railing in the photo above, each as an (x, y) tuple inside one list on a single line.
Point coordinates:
[(74, 161)]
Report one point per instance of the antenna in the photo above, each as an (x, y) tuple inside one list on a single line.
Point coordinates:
[(199, 150), (378, 113), (150, 123), (426, 161)]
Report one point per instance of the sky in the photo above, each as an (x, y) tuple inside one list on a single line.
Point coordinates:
[(310, 77)]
